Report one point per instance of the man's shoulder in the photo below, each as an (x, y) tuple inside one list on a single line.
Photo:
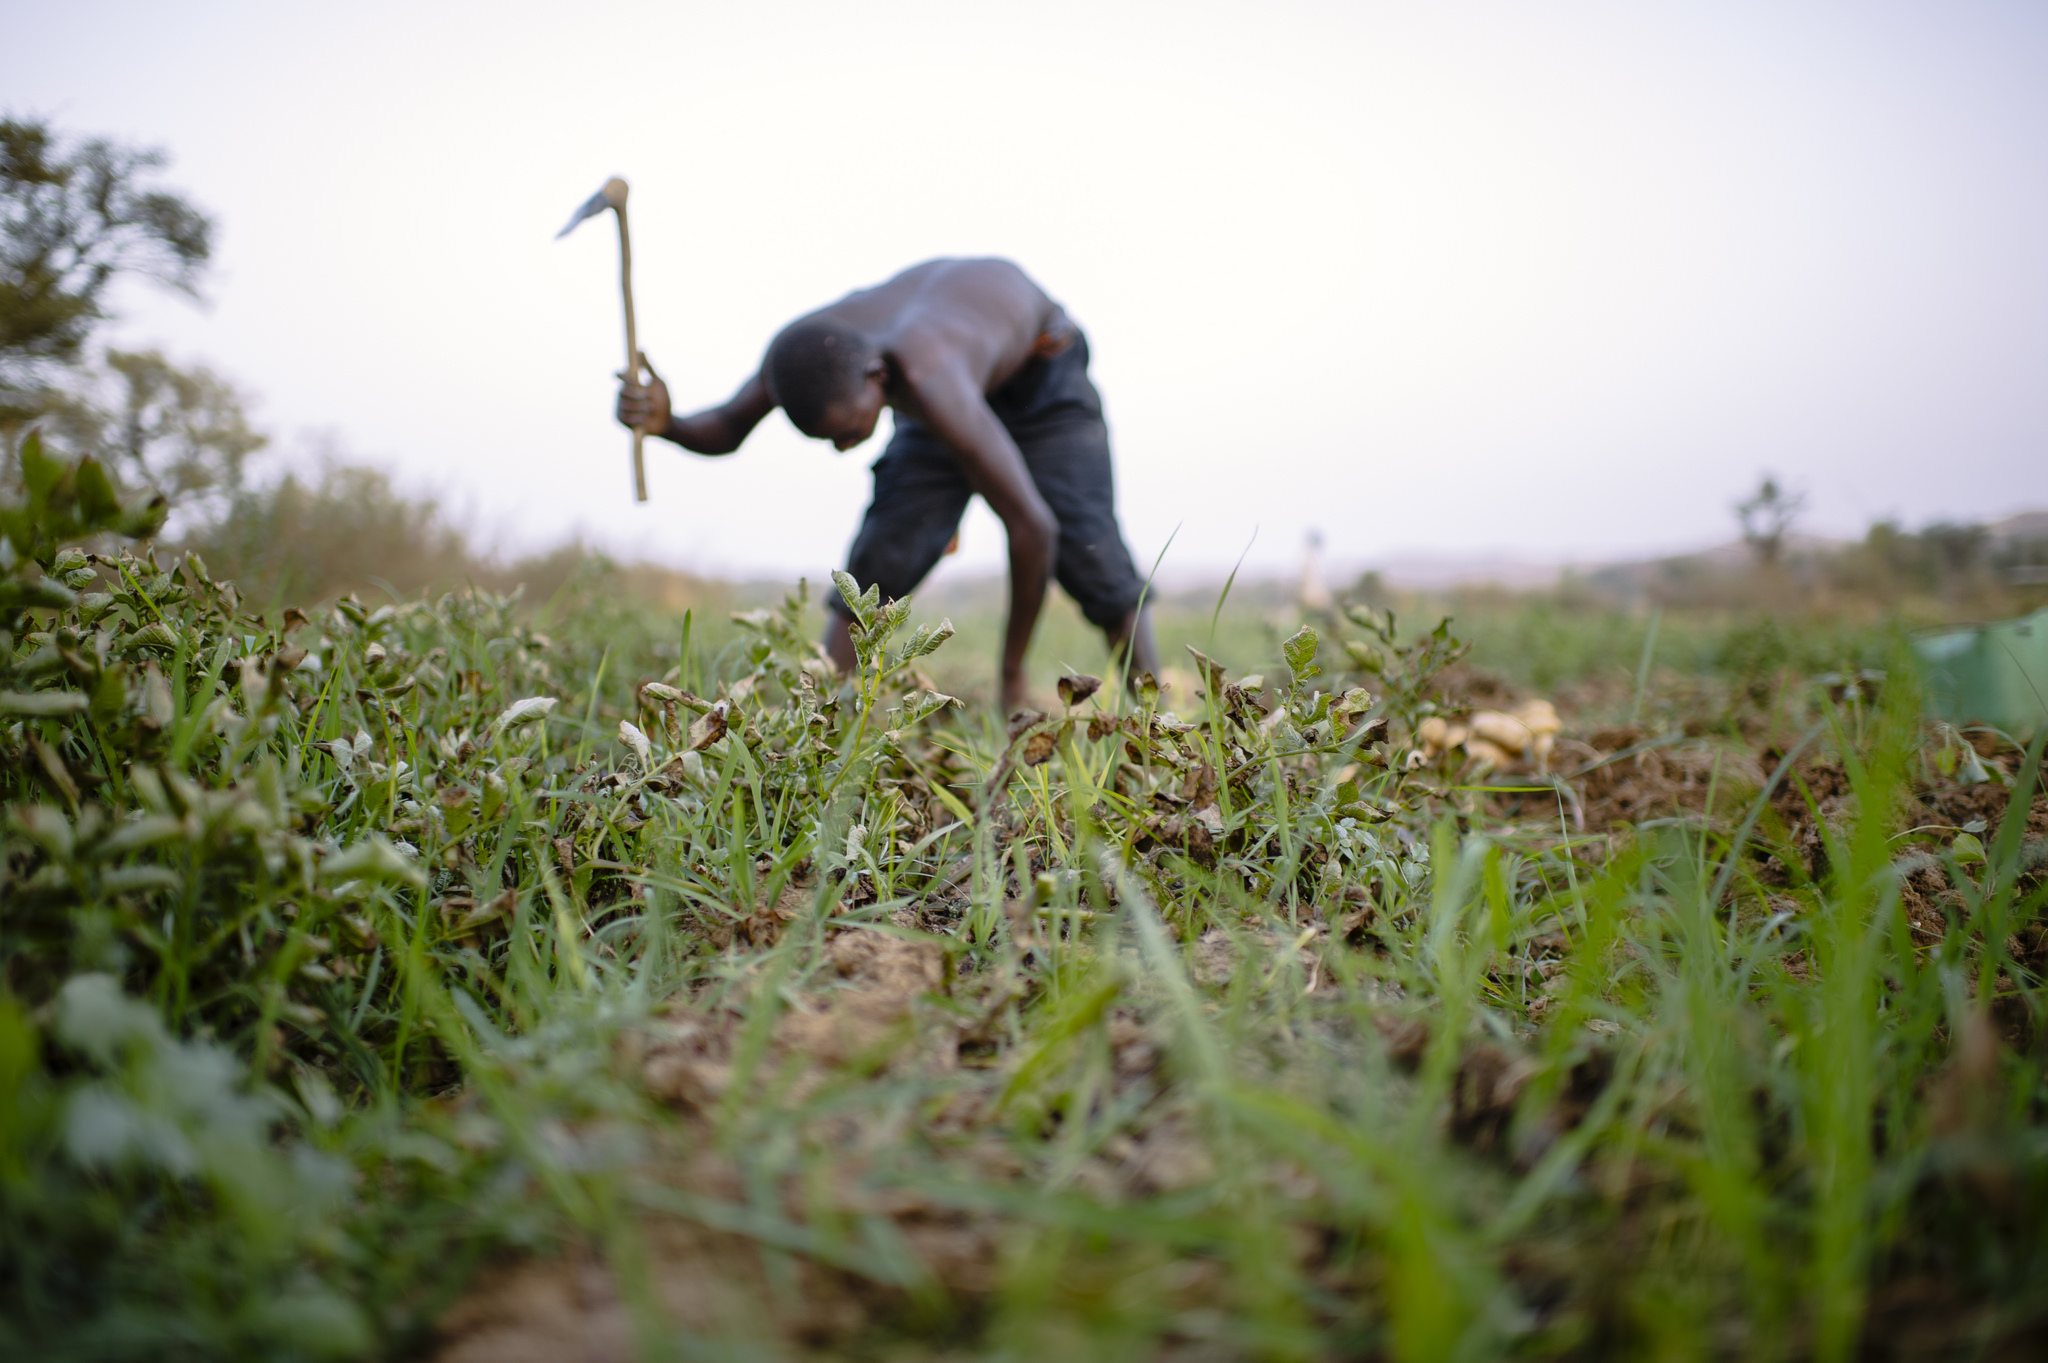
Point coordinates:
[(1000, 265), (950, 270), (937, 262)]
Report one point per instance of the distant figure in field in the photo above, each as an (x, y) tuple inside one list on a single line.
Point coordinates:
[(1314, 595), (989, 382)]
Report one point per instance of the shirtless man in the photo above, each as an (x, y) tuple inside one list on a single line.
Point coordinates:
[(989, 382)]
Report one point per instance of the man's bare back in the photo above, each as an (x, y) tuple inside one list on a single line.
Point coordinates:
[(985, 315), (933, 343)]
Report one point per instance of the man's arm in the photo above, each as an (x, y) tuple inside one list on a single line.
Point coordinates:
[(953, 406), (715, 430)]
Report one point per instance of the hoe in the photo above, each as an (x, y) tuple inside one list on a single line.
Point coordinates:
[(613, 196)]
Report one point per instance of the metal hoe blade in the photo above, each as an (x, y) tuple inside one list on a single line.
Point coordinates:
[(594, 205)]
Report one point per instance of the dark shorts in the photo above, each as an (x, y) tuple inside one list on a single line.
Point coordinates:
[(1053, 412)]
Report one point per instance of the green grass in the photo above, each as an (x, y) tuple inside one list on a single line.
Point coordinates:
[(830, 1019)]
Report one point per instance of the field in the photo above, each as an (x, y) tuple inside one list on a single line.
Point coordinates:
[(463, 978)]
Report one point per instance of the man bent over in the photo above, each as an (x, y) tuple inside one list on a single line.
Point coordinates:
[(989, 383)]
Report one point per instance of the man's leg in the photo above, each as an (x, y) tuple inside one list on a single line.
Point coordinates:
[(838, 643), (918, 500), (1069, 463)]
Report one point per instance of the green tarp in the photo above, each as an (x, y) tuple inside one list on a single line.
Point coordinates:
[(1989, 674)]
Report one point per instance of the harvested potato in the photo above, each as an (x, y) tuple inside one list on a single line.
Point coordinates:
[(1503, 731), (1434, 734), (1488, 754)]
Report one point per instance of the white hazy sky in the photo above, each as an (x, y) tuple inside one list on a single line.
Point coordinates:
[(1560, 280)]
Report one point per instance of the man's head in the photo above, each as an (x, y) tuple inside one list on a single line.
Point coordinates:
[(829, 379)]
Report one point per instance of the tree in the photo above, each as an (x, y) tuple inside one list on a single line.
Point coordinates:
[(1766, 515), (183, 432), (73, 218)]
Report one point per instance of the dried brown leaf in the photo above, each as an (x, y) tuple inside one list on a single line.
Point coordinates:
[(1039, 747), (708, 727), (1077, 687)]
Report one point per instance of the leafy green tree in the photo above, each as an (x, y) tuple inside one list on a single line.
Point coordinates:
[(74, 216), (183, 432)]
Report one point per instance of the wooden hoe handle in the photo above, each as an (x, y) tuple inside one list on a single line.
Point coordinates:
[(636, 363)]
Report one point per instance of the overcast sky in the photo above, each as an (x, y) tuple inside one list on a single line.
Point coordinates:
[(1558, 280)]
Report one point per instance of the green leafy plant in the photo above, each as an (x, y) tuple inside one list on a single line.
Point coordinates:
[(368, 967)]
